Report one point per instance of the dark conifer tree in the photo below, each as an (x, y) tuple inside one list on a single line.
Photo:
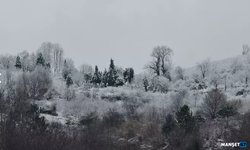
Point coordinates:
[(128, 75), (65, 71), (145, 84), (97, 77), (40, 60), (112, 74), (69, 80), (185, 119), (18, 64)]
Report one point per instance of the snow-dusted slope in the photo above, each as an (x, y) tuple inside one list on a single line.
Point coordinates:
[(223, 64)]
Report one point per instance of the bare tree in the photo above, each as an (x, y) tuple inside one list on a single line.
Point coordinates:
[(246, 49), (52, 53), (213, 102), (224, 75), (215, 78), (7, 61), (204, 67), (166, 62), (179, 73), (161, 63), (86, 70), (246, 70)]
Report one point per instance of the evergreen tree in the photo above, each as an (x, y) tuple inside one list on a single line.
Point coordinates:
[(145, 84), (227, 110), (185, 119), (65, 71), (97, 78), (111, 65), (105, 78), (112, 74), (128, 75), (18, 63), (40, 60), (69, 80)]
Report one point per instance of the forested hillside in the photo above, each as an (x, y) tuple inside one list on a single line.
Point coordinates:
[(49, 103)]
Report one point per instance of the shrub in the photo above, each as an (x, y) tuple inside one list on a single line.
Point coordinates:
[(178, 98), (169, 125), (131, 105), (159, 84), (89, 119), (228, 109), (69, 93), (113, 118)]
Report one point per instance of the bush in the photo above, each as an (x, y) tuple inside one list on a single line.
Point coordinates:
[(131, 105), (229, 109), (178, 98), (113, 118), (159, 84), (169, 125), (70, 93), (89, 119)]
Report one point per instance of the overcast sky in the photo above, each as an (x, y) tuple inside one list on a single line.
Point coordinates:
[(93, 31)]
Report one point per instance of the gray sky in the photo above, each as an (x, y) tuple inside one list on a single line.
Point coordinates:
[(93, 31)]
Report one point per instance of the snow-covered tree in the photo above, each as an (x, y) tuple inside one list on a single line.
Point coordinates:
[(179, 71), (7, 61), (112, 74), (86, 70), (161, 63), (159, 84), (52, 53), (68, 68), (105, 78), (215, 78), (236, 66), (204, 67)]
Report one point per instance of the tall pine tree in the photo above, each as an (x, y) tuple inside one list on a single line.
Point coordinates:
[(18, 64), (112, 74), (97, 77)]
